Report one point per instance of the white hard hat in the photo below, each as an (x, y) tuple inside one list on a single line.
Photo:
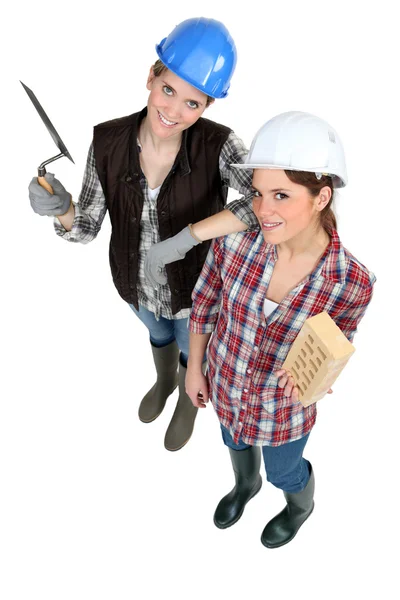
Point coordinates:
[(298, 141)]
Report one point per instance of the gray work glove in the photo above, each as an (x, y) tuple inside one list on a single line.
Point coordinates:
[(44, 203), (166, 252)]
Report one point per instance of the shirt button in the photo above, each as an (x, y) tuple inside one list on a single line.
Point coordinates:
[(256, 349), (163, 213), (240, 424), (133, 220), (245, 390), (249, 371), (128, 178)]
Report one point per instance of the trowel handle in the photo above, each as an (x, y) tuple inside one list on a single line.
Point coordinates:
[(45, 184)]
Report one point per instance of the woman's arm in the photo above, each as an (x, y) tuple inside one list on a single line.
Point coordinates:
[(83, 220), (238, 216), (223, 223), (206, 298), (176, 247), (347, 321), (196, 382)]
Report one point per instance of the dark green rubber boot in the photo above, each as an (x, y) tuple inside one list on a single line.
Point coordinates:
[(246, 466), (182, 423), (166, 363), (282, 528)]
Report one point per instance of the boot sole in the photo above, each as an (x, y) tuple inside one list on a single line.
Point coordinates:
[(154, 418), (180, 447), (293, 536), (240, 514)]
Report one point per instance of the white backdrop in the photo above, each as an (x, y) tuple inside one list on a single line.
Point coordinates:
[(91, 505)]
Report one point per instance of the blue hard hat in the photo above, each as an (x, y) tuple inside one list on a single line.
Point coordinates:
[(202, 52)]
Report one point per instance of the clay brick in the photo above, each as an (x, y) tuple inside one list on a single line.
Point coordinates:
[(317, 356)]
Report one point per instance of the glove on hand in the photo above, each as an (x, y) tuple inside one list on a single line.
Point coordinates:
[(44, 203), (166, 252)]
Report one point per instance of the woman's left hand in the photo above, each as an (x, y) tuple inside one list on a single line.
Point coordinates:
[(285, 380), (166, 252)]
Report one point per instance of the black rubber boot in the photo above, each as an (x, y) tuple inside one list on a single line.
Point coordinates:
[(166, 363), (246, 466), (181, 426), (282, 528)]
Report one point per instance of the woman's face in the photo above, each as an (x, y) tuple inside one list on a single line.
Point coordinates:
[(284, 209), (173, 104)]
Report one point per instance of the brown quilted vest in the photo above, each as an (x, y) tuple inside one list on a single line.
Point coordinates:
[(192, 191)]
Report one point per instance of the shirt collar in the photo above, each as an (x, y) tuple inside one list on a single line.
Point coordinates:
[(332, 264)]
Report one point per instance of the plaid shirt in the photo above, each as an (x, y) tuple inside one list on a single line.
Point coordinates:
[(246, 347), (91, 209)]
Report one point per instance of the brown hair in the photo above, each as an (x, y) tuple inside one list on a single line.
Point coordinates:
[(160, 68), (327, 217)]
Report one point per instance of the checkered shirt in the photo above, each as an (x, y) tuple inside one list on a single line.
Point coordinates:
[(246, 347)]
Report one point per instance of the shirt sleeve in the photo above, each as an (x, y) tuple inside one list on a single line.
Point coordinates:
[(234, 152), (207, 292), (349, 319), (90, 209)]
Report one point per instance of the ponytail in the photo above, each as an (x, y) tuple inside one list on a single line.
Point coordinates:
[(327, 217)]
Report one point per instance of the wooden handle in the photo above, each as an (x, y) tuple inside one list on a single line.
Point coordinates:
[(45, 185)]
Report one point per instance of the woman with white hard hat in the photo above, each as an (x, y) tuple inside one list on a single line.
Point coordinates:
[(254, 294), (154, 171)]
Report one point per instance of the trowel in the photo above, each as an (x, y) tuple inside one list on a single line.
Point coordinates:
[(58, 141)]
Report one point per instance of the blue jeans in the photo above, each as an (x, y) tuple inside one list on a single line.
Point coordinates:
[(285, 466), (165, 331)]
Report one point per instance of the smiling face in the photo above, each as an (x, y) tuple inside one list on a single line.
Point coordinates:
[(173, 104), (285, 209)]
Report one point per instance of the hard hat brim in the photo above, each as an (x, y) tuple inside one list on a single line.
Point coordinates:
[(278, 167), (337, 181)]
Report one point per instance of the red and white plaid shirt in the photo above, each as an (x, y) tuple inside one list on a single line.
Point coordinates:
[(246, 347)]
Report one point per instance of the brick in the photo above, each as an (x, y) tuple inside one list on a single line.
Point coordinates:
[(317, 357)]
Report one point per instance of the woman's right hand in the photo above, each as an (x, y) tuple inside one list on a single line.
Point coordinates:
[(286, 380), (46, 204), (197, 387)]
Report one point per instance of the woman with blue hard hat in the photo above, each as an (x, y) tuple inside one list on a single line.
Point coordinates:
[(155, 171)]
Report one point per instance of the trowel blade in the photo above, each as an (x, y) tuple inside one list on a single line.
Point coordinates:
[(50, 127)]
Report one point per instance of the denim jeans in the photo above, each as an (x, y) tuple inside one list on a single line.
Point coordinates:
[(285, 466), (165, 331)]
